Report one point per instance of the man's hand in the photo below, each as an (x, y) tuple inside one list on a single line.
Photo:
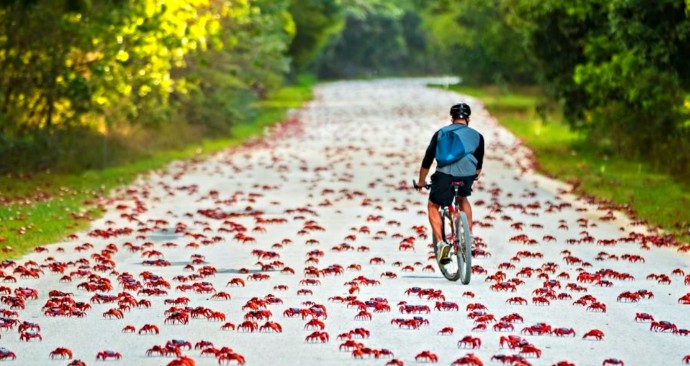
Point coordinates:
[(422, 179)]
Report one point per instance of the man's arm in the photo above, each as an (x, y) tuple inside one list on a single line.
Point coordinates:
[(479, 155), (422, 176), (428, 160)]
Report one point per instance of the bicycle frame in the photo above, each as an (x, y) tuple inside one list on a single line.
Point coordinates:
[(451, 212), (459, 237)]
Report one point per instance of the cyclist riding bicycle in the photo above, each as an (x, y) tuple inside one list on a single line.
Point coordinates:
[(465, 170)]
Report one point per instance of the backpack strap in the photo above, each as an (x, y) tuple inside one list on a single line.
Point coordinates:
[(457, 127), (449, 130)]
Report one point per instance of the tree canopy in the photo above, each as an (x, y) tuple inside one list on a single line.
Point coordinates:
[(77, 65), (618, 67)]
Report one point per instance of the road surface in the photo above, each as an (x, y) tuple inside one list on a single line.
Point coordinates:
[(335, 179)]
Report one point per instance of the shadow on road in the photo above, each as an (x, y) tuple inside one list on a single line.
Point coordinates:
[(236, 271), (418, 276)]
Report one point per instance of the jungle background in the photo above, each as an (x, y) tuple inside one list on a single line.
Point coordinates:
[(599, 88)]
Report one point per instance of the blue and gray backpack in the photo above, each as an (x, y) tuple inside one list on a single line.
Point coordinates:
[(450, 146)]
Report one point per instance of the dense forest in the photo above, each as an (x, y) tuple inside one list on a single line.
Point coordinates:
[(84, 76)]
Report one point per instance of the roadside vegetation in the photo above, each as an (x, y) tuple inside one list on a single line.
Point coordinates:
[(616, 69), (43, 207), (92, 93), (633, 185)]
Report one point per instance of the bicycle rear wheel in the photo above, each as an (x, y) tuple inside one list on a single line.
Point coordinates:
[(451, 270), (464, 255)]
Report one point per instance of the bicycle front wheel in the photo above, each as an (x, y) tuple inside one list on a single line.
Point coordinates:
[(450, 270), (464, 248)]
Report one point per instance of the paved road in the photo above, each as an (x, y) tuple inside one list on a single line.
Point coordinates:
[(338, 168)]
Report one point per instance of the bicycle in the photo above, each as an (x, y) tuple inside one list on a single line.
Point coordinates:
[(455, 231)]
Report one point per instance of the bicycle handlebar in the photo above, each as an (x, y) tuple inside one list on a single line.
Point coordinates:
[(426, 186)]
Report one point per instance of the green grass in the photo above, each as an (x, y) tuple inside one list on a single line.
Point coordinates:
[(50, 206), (564, 154)]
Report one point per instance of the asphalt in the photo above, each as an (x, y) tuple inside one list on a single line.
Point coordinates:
[(343, 163)]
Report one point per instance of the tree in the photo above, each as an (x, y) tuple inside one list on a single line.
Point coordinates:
[(378, 38), (476, 41), (555, 33), (317, 21), (248, 62), (620, 69), (636, 79), (73, 71)]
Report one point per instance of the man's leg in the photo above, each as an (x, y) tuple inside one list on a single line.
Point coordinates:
[(434, 220), (467, 209)]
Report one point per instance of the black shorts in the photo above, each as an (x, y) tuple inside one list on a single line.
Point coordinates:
[(442, 192)]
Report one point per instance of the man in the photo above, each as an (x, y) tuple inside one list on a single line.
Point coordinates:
[(466, 170)]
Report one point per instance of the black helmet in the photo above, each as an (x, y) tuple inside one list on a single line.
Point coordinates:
[(460, 111)]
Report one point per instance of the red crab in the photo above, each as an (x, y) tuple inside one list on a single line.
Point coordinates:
[(104, 355), (62, 353), (663, 326), (597, 307), (149, 329), (499, 327), (538, 329), (517, 301), (320, 337), (512, 341), (530, 350), (643, 317), (178, 343), (227, 326), (512, 318), (6, 354), (562, 332), (446, 306), (468, 360), (221, 296), (470, 342), (271, 327), (248, 326), (628, 296), (596, 333), (363, 315), (29, 335), (446, 331), (236, 282), (612, 361), (314, 324), (426, 356)]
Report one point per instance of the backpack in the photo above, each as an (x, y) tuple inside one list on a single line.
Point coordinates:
[(449, 146)]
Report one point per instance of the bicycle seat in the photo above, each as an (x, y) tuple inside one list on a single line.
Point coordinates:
[(457, 183)]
